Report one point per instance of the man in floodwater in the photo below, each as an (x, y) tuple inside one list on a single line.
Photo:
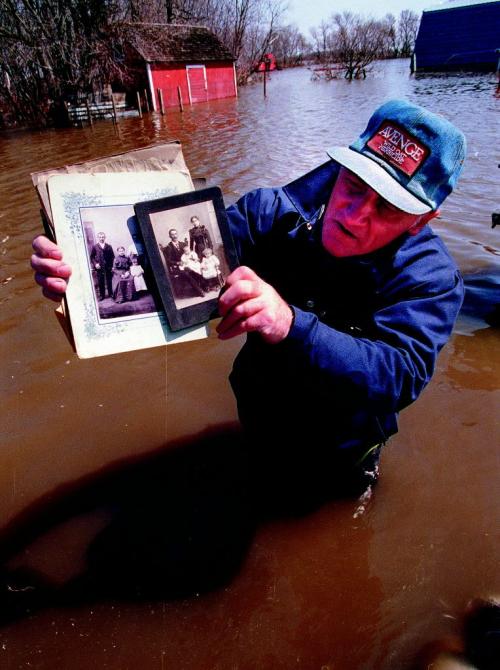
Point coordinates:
[(346, 295)]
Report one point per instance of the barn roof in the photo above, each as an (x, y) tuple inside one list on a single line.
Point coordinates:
[(463, 38), (167, 42), (455, 4)]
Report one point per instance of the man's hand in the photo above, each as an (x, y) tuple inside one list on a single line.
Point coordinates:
[(248, 304), (51, 273)]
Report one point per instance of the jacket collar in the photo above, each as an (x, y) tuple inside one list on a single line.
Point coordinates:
[(309, 192)]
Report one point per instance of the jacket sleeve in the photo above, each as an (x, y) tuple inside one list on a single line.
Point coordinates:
[(388, 370)]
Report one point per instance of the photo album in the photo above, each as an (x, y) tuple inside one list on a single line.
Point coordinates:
[(149, 253)]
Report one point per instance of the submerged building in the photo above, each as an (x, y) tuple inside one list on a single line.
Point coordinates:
[(458, 35), (187, 63)]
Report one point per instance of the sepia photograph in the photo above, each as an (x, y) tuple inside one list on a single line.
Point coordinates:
[(117, 262), (191, 251)]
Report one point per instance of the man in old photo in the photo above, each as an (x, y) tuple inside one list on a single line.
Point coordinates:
[(102, 258), (346, 296), (173, 253)]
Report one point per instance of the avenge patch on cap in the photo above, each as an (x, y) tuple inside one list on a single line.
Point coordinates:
[(398, 147)]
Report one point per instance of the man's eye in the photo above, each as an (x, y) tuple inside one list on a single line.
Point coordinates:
[(388, 207), (354, 187)]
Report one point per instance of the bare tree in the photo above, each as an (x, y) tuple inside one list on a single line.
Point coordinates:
[(388, 30), (322, 40), (356, 43), (247, 28), (169, 11), (408, 25), (289, 46), (353, 42)]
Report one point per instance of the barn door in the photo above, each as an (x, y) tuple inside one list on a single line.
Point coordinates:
[(197, 83)]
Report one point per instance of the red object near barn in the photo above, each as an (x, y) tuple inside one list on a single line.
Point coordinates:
[(184, 58), (267, 63)]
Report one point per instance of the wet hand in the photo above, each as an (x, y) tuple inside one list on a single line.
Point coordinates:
[(51, 273), (249, 304)]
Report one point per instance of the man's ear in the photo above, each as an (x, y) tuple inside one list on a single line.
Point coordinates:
[(422, 221)]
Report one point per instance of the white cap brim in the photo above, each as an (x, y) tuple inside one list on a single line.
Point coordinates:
[(379, 180)]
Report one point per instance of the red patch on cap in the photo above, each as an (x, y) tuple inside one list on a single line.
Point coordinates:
[(396, 146)]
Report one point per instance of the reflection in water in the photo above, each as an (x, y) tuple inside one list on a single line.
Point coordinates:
[(474, 364), (328, 589), (181, 526), (180, 522)]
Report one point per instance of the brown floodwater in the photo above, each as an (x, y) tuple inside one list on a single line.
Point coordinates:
[(145, 444)]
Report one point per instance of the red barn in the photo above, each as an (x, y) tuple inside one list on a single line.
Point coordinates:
[(189, 57)]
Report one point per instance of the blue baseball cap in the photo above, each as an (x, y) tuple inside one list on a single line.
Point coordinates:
[(410, 156)]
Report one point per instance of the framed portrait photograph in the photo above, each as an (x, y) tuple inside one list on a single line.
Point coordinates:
[(191, 251)]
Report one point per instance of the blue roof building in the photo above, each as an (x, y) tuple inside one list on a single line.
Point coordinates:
[(458, 35)]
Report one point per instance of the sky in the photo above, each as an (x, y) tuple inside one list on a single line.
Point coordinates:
[(308, 13)]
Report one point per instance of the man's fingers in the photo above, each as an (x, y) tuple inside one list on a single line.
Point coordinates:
[(240, 291), (244, 325), (237, 329), (46, 248), (50, 271), (241, 272), (52, 287), (240, 312), (50, 267), (56, 297), (52, 284)]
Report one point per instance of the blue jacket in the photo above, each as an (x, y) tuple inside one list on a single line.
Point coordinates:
[(367, 329)]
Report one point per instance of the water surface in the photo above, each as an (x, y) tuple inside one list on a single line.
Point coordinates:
[(344, 587)]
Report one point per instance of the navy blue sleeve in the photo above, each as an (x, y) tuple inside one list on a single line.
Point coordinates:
[(389, 370)]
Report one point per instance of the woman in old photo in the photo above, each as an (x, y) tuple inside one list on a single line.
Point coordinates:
[(123, 281), (199, 237)]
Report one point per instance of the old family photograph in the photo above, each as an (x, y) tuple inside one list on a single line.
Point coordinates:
[(190, 248)]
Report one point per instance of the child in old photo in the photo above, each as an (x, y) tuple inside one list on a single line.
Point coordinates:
[(210, 269), (189, 259), (137, 272)]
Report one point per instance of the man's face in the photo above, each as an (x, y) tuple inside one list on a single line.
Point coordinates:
[(173, 235), (101, 237), (358, 220)]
